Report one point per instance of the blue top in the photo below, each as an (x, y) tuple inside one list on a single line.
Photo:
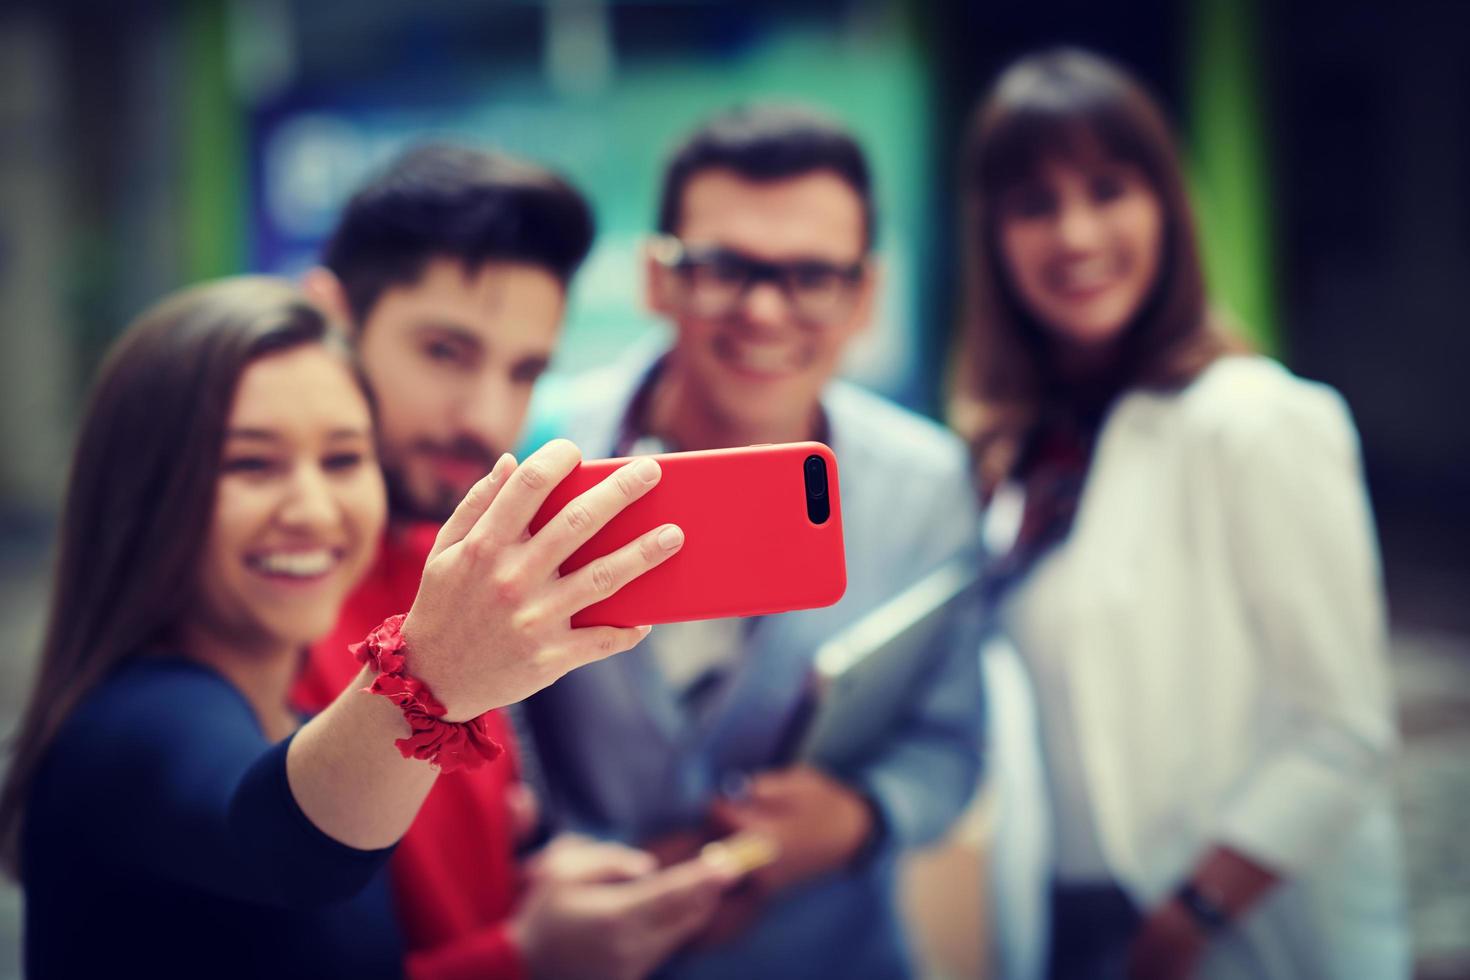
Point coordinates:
[(621, 759), (162, 839)]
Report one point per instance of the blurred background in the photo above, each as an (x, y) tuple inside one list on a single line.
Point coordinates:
[(145, 145)]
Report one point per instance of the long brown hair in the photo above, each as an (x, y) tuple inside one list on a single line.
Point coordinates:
[(141, 496), (1071, 105)]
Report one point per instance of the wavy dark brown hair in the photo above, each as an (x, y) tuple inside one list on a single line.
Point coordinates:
[(1076, 107), (141, 496)]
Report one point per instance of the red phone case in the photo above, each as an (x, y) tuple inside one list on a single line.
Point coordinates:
[(750, 547)]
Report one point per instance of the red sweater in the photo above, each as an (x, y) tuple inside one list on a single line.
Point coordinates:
[(454, 873)]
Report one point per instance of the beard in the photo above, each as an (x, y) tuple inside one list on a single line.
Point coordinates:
[(405, 505), (439, 502)]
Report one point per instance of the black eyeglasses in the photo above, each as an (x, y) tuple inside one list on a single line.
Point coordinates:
[(718, 279)]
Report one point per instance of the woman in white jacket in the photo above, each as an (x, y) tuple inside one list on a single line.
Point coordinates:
[(1184, 558)]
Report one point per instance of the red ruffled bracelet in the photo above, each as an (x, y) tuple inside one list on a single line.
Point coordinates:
[(446, 744)]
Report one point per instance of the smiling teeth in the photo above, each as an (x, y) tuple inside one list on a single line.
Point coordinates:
[(300, 564), (1084, 276), (762, 360)]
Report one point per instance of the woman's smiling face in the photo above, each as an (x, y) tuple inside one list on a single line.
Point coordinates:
[(1082, 246), (299, 503)]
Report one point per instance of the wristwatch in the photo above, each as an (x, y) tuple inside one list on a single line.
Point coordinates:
[(1205, 909)]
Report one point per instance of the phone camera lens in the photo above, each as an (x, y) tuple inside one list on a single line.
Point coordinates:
[(818, 507), (816, 476), (814, 473)]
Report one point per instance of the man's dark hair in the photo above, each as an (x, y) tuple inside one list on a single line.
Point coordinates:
[(442, 201), (767, 142)]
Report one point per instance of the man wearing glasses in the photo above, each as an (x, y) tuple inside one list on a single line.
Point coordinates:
[(763, 266)]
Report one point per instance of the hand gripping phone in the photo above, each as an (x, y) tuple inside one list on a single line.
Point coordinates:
[(762, 534)]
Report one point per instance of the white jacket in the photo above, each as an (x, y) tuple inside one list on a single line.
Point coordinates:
[(1218, 605)]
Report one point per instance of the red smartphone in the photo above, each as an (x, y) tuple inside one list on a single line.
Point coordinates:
[(762, 534)]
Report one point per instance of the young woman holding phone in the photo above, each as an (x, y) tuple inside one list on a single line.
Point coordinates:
[(165, 809), (1184, 559)]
